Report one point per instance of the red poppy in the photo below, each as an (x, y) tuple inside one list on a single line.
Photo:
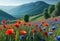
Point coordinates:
[(29, 24), (42, 22), (16, 25), (55, 19), (0, 28), (19, 21), (24, 24), (36, 25), (3, 22), (33, 31), (4, 26), (15, 37), (45, 33), (23, 32), (9, 32), (46, 25), (40, 29)]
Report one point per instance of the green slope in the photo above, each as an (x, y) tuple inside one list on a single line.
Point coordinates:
[(36, 18)]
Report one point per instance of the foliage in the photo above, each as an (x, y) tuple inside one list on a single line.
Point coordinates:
[(51, 9), (56, 12), (46, 15), (26, 18)]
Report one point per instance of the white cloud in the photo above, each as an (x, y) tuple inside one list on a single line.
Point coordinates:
[(2, 3), (9, 4)]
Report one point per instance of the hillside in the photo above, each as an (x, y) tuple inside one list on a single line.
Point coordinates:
[(36, 18), (5, 16), (30, 9)]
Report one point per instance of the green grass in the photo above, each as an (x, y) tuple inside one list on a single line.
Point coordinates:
[(28, 29), (37, 19)]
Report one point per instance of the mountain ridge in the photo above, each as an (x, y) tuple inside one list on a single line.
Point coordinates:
[(6, 16), (30, 9)]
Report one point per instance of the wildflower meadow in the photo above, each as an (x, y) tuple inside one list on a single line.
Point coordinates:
[(43, 30)]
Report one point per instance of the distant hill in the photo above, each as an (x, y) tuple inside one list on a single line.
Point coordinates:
[(5, 16), (30, 9), (6, 8)]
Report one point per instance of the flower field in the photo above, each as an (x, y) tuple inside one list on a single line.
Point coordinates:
[(42, 30)]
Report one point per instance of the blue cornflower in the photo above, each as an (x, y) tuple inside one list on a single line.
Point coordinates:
[(22, 37), (43, 29), (50, 33), (57, 38), (53, 28)]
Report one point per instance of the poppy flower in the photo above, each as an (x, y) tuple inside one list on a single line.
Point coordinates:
[(14, 36), (40, 29), (33, 31), (9, 32), (4, 26), (46, 25), (16, 25), (45, 33), (42, 22), (36, 25), (50, 33), (3, 21), (22, 37), (55, 19), (0, 28), (29, 24), (23, 32), (24, 24), (19, 21)]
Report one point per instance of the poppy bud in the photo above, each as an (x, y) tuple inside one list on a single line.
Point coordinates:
[(55, 19), (3, 22), (25, 24), (45, 33), (40, 29), (36, 25), (29, 24), (15, 37)]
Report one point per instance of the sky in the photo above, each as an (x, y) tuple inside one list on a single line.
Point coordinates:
[(20, 2)]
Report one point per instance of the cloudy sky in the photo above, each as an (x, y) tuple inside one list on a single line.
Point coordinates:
[(20, 2)]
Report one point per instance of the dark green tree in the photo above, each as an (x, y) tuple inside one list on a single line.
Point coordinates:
[(26, 18), (51, 9), (56, 12), (46, 15)]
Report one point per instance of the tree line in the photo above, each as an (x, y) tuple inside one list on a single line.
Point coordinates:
[(52, 11)]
